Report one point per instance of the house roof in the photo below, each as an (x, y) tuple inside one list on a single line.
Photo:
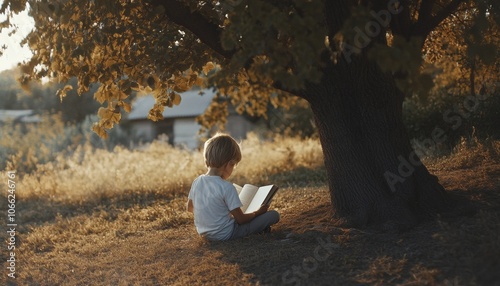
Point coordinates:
[(192, 104), (21, 115)]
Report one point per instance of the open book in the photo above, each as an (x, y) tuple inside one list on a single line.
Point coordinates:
[(252, 197)]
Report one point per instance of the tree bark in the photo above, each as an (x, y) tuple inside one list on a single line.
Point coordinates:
[(374, 176)]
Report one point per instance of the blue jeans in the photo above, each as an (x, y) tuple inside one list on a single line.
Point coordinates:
[(256, 225)]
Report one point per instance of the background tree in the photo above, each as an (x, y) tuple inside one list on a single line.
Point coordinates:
[(42, 98), (464, 69), (353, 61)]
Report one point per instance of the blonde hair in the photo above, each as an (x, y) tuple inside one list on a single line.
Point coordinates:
[(220, 149)]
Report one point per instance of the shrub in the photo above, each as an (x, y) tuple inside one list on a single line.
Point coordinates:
[(457, 115), (25, 146)]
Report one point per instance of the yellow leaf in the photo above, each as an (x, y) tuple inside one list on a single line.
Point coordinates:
[(99, 130), (156, 113), (102, 112), (126, 106), (108, 124), (99, 95), (54, 65), (122, 95), (62, 92), (181, 85), (176, 98), (200, 81), (208, 67), (115, 117)]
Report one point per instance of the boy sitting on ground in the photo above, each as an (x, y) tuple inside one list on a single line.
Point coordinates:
[(215, 202)]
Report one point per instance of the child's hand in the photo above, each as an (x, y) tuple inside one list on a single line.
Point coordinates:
[(263, 209)]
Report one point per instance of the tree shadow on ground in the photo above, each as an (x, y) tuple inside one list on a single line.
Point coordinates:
[(307, 248)]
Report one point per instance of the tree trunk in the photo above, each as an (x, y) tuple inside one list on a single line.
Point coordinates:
[(373, 174)]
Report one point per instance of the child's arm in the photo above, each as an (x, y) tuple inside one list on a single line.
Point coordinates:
[(242, 218), (189, 206)]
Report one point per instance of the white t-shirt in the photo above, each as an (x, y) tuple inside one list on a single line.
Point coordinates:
[(213, 199)]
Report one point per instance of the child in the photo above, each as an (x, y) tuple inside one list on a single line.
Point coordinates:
[(215, 202)]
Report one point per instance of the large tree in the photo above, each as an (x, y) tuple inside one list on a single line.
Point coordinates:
[(353, 61)]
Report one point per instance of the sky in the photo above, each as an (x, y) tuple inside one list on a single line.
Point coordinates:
[(15, 53)]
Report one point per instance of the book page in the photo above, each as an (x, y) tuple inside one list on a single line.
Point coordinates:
[(246, 195), (259, 198), (238, 188)]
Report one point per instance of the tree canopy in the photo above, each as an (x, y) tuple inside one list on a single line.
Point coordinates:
[(251, 51)]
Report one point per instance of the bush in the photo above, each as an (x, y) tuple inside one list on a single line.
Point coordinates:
[(25, 146), (459, 116)]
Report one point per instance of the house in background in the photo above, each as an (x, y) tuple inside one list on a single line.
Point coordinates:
[(24, 116), (179, 122)]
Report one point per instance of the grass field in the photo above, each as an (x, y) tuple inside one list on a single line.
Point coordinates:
[(118, 218)]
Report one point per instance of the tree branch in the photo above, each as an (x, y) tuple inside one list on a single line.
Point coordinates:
[(208, 32), (401, 22), (427, 24), (424, 12), (444, 13)]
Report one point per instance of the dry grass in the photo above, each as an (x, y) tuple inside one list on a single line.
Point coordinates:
[(117, 218)]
